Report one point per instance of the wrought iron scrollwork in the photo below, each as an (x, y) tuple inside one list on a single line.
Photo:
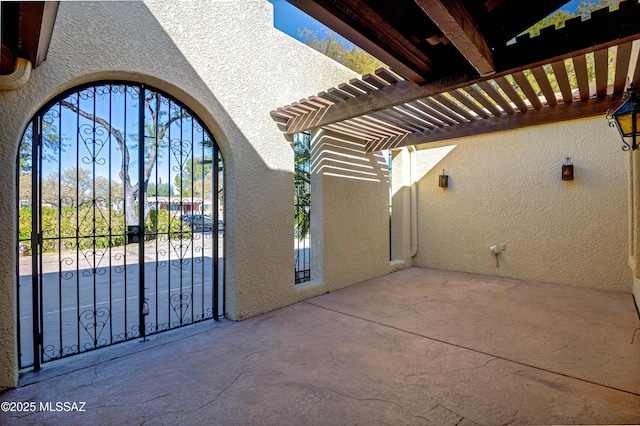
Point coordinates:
[(94, 321), (94, 139), (52, 352), (180, 303)]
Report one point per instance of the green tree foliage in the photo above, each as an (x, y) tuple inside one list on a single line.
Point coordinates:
[(585, 8), (70, 228), (558, 18), (77, 187), (302, 182), (52, 143), (195, 180), (161, 222), (352, 57), (160, 190), (158, 121), (92, 227)]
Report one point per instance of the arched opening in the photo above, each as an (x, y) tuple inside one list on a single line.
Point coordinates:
[(121, 221)]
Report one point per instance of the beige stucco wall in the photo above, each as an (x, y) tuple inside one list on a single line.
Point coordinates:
[(505, 188), (225, 61), (350, 213)]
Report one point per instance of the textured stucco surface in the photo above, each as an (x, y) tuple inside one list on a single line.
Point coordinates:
[(506, 188), (226, 62)]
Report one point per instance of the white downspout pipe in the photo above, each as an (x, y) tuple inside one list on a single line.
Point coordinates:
[(413, 203), (19, 76)]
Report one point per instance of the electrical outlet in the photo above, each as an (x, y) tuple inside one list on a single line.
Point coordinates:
[(503, 246)]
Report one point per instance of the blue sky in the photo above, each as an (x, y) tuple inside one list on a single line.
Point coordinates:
[(290, 20)]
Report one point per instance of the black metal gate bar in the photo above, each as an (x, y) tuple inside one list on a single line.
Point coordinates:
[(141, 213), (60, 336), (94, 204), (193, 248), (125, 333), (215, 162), (110, 233), (77, 232), (156, 143), (202, 253), (36, 139)]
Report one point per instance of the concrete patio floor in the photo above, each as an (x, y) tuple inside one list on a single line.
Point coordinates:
[(415, 347)]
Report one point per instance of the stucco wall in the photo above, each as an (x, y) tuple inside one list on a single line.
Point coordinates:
[(350, 213), (506, 188), (226, 62)]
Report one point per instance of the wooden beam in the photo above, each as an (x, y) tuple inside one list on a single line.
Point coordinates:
[(511, 93), (455, 108), (560, 71), (543, 82), (49, 15), (604, 29), (460, 28), (483, 100), (622, 61), (386, 97), (601, 62), (546, 115), (582, 76), (527, 89), (497, 97), (404, 58)]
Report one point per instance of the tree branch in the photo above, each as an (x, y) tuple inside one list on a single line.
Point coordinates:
[(124, 170)]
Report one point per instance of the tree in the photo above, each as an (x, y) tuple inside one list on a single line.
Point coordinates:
[(156, 126), (195, 178), (52, 143), (353, 57), (556, 19), (77, 188), (160, 190), (302, 184), (585, 8), (71, 189), (559, 17)]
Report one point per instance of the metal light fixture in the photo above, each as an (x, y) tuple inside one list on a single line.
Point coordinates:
[(567, 169), (625, 117), (443, 180)]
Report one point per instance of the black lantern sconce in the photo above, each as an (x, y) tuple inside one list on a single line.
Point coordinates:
[(443, 180), (567, 169), (625, 117)]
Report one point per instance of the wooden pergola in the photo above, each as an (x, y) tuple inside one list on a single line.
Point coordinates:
[(459, 69)]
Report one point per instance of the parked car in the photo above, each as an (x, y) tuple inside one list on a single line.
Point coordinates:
[(198, 221), (220, 225)]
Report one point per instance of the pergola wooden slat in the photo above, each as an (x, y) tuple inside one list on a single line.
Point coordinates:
[(434, 47), (385, 111)]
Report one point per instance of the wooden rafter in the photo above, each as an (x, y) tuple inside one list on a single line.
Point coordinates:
[(495, 104), (460, 28), (386, 111)]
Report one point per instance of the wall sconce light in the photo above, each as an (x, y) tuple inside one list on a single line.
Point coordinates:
[(567, 169), (625, 117), (443, 180)]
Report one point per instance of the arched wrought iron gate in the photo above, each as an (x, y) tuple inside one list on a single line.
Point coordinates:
[(121, 223)]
